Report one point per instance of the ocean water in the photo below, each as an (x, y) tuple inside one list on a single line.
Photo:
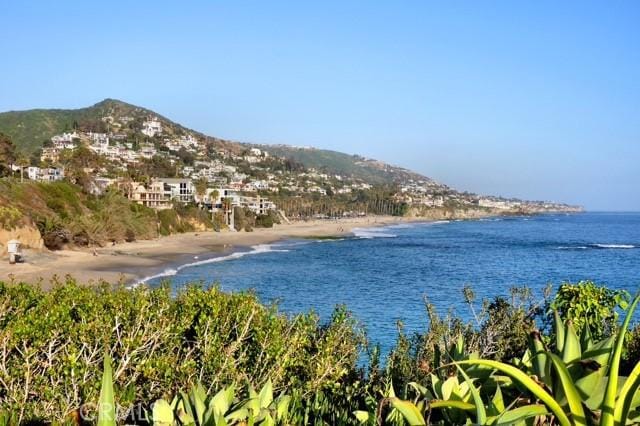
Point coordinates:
[(384, 274)]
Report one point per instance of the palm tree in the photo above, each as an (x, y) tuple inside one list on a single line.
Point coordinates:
[(23, 161), (7, 152)]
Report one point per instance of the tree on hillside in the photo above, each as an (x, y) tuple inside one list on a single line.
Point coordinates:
[(7, 154), (201, 185), (23, 161), (76, 164)]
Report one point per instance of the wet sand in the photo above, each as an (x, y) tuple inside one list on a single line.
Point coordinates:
[(130, 262)]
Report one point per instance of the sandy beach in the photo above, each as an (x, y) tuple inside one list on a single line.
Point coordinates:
[(130, 262)]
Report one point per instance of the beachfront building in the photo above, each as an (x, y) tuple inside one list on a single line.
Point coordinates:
[(182, 189), (156, 196), (259, 205)]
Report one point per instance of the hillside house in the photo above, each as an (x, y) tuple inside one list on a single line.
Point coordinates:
[(182, 189), (152, 127)]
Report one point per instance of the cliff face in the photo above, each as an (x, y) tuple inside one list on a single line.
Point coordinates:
[(29, 236), (441, 213)]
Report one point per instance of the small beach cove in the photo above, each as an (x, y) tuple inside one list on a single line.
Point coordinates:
[(128, 263)]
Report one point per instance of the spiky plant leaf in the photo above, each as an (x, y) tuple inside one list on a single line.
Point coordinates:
[(608, 404), (625, 401), (559, 329), (528, 383), (481, 413), (409, 411), (161, 413), (519, 414), (106, 404), (570, 391)]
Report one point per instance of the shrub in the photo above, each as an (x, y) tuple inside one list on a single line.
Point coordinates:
[(53, 345), (264, 221), (9, 217), (589, 305)]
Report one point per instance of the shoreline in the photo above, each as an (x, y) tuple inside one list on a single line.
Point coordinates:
[(130, 263)]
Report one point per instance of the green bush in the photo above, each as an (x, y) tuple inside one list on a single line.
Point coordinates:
[(589, 305), (53, 345), (10, 217)]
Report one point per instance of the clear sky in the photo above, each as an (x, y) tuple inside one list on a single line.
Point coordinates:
[(536, 99)]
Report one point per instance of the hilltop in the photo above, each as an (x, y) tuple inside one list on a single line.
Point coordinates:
[(30, 130), (126, 140)]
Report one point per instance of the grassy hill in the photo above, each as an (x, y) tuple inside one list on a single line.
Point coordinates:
[(334, 162), (29, 129)]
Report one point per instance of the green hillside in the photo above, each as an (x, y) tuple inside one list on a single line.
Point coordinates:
[(333, 162), (29, 129)]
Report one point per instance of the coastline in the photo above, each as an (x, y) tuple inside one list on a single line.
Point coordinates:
[(128, 263)]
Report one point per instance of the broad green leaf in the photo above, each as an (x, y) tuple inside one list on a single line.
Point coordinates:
[(519, 414), (220, 421), (570, 391), (237, 415), (481, 414), (559, 328), (161, 413), (282, 407), (590, 384), (197, 398), (571, 350), (185, 417), (409, 411), (420, 390), (626, 395), (586, 340), (268, 420), (107, 404), (449, 386), (608, 404), (460, 405), (497, 402), (266, 394), (221, 402), (528, 383), (540, 361), (361, 416)]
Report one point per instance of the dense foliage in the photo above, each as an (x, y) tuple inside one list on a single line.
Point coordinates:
[(52, 345), (65, 215), (195, 357)]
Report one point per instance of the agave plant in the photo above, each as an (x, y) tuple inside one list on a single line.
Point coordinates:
[(578, 384), (580, 388), (198, 409)]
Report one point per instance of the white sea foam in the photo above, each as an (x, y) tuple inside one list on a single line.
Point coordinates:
[(400, 226), (257, 249), (369, 233), (329, 240), (598, 246)]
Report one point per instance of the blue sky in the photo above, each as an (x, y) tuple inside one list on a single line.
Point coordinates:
[(537, 100)]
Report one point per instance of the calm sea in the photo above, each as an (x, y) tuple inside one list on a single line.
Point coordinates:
[(383, 274)]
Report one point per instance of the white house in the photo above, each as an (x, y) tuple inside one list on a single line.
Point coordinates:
[(152, 127), (182, 189)]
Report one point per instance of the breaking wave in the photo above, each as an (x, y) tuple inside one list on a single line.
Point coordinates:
[(369, 233), (598, 246), (257, 249)]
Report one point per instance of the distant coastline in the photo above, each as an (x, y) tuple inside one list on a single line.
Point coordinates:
[(129, 263)]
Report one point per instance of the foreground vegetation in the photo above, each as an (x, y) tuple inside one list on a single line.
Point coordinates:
[(201, 356)]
